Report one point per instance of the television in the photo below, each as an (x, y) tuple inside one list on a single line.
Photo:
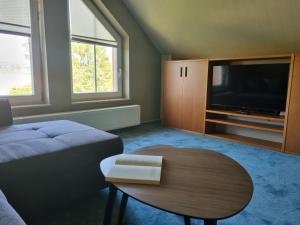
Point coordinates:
[(255, 88)]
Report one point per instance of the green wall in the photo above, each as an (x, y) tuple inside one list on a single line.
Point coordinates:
[(142, 65), (220, 28)]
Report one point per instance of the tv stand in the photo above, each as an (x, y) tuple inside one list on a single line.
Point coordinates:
[(243, 112), (186, 105), (237, 119)]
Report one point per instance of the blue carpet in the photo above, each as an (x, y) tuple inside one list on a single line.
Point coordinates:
[(276, 198)]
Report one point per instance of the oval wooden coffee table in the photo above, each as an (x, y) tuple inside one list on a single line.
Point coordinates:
[(195, 183)]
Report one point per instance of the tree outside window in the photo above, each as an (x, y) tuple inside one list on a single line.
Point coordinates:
[(92, 68)]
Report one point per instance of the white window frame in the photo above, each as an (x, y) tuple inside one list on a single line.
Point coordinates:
[(77, 97), (35, 57)]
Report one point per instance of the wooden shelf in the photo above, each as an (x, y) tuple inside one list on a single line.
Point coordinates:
[(248, 140), (252, 116), (243, 58), (246, 124)]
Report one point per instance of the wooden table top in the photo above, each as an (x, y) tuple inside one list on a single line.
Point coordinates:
[(194, 182)]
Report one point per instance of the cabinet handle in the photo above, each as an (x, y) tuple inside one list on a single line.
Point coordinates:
[(186, 70), (180, 71)]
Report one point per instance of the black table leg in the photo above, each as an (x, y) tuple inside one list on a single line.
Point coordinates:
[(210, 222), (110, 205), (187, 220), (122, 208)]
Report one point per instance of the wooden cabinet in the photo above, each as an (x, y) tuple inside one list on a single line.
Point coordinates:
[(292, 136), (184, 105), (184, 94), (172, 92)]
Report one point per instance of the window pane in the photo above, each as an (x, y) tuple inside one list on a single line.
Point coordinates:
[(105, 72), (15, 65), (83, 67)]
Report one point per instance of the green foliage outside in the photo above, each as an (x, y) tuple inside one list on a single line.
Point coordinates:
[(105, 79), (22, 90), (83, 69)]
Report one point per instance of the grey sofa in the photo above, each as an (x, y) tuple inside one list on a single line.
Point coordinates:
[(46, 166), (8, 215)]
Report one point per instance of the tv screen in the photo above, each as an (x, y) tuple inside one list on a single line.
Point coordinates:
[(258, 88)]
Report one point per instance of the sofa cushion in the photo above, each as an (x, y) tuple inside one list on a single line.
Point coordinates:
[(8, 216), (28, 140), (5, 113)]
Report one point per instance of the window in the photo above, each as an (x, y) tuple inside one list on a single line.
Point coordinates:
[(96, 54), (20, 77)]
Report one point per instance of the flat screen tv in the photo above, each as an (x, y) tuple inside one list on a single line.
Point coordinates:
[(259, 88)]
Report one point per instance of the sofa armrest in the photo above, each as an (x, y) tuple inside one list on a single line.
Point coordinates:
[(5, 113), (8, 215)]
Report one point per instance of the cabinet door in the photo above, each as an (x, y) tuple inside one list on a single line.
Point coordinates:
[(172, 94), (292, 137), (194, 95)]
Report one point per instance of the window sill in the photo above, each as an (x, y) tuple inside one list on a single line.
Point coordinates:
[(31, 106), (79, 102)]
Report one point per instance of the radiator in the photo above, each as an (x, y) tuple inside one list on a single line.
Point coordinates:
[(103, 119)]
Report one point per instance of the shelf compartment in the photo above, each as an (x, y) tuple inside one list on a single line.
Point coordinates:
[(252, 116), (246, 124), (247, 140)]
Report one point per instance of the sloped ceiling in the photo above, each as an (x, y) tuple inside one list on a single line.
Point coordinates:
[(214, 28)]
